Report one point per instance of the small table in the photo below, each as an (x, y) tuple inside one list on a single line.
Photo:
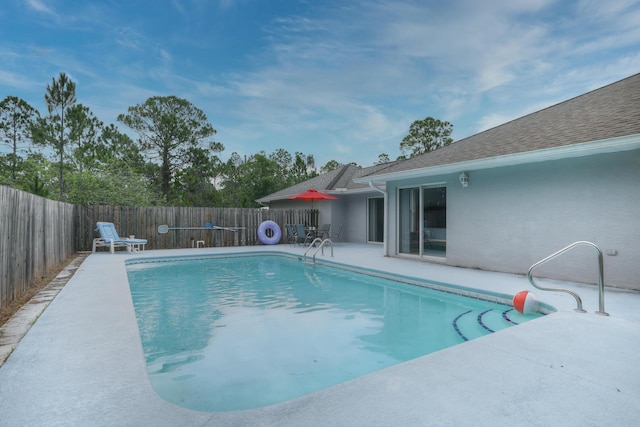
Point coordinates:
[(312, 233), (135, 247)]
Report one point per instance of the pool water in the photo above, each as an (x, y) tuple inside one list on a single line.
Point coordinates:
[(241, 332)]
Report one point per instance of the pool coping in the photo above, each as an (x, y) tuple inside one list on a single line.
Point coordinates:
[(82, 362), (12, 331)]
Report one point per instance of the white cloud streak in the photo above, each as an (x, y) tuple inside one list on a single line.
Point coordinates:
[(40, 6)]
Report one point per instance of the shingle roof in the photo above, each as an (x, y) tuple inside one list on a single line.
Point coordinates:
[(320, 183), (609, 112), (338, 180)]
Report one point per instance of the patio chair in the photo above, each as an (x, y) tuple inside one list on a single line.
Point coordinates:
[(325, 231), (291, 234), (109, 238), (302, 236), (336, 236)]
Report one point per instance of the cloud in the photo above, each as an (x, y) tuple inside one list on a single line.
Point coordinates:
[(165, 55), (492, 120), (40, 6), (486, 43), (226, 4), (16, 80), (179, 6), (400, 49), (128, 37), (342, 149)]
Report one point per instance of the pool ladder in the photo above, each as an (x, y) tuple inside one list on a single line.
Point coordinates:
[(321, 247), (575, 295)]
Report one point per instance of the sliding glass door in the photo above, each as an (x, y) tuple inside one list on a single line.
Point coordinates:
[(409, 221), (375, 219), (422, 220), (434, 221)]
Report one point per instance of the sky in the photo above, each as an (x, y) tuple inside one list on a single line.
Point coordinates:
[(339, 79)]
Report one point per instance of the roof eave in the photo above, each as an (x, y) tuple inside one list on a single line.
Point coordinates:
[(336, 192), (624, 143)]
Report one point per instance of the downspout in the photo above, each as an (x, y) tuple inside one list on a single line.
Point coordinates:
[(385, 231)]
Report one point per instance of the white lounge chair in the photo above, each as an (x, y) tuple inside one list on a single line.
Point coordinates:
[(109, 238)]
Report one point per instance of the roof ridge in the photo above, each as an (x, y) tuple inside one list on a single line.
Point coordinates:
[(338, 176)]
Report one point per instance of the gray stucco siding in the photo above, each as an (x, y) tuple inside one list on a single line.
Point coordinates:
[(510, 217)]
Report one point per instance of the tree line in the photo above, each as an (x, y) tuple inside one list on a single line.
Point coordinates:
[(68, 154)]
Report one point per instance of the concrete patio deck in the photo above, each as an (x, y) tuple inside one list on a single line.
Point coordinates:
[(81, 363)]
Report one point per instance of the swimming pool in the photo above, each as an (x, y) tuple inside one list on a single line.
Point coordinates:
[(225, 333)]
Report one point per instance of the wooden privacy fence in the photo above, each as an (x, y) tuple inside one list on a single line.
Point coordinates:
[(37, 235), (186, 224)]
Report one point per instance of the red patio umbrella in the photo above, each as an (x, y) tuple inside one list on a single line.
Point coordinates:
[(310, 196)]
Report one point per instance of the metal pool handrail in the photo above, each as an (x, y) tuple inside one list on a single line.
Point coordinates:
[(322, 243), (575, 295)]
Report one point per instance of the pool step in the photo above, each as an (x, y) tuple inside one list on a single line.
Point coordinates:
[(473, 324)]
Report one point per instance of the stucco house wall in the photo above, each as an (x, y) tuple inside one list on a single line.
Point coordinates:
[(339, 216), (508, 218), (355, 221)]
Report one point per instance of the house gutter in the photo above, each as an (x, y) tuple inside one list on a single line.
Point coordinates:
[(385, 231)]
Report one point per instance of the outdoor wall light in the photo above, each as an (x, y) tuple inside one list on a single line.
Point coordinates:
[(464, 179)]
